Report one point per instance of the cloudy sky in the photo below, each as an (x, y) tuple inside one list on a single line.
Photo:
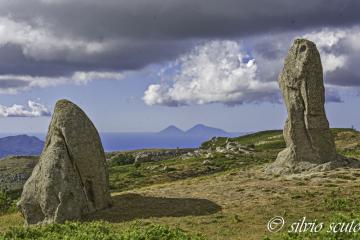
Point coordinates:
[(141, 65)]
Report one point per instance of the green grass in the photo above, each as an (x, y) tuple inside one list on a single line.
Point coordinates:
[(260, 141), (128, 177), (97, 231), (336, 202)]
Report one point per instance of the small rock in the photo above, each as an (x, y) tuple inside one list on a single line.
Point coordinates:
[(207, 162)]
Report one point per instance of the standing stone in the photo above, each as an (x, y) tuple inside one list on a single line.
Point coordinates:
[(307, 135), (71, 178)]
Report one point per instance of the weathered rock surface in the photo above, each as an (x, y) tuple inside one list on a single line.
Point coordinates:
[(307, 135), (70, 179), (229, 149)]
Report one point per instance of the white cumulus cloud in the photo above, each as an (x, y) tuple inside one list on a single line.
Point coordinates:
[(34, 109), (340, 54), (326, 40), (215, 72), (85, 77)]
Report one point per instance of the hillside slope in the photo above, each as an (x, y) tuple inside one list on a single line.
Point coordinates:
[(227, 197), (14, 171)]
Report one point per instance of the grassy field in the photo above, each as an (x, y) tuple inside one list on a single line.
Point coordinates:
[(231, 198)]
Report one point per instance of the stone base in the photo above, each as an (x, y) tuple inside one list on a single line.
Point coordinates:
[(281, 168)]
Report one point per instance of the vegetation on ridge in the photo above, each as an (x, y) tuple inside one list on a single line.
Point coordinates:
[(222, 197)]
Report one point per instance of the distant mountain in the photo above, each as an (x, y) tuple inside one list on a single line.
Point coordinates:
[(198, 130), (172, 130), (20, 145), (202, 130)]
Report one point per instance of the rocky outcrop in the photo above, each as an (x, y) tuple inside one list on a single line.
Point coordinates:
[(229, 149), (70, 179), (309, 142)]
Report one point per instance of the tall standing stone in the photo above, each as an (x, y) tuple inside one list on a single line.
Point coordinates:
[(307, 135), (71, 178)]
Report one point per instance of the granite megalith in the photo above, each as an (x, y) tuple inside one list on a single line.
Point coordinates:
[(309, 141), (71, 178)]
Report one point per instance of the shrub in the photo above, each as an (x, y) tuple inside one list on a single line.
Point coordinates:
[(7, 205), (157, 232), (122, 159), (97, 231)]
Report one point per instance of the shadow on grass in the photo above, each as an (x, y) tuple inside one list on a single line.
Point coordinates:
[(128, 207)]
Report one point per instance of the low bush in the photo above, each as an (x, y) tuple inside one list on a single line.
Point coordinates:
[(97, 231), (7, 205), (122, 159)]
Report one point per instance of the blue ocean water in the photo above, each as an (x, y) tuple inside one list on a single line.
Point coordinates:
[(131, 141)]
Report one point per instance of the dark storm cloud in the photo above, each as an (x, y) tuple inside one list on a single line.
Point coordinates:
[(140, 32), (132, 57), (13, 61), (12, 83), (269, 51), (344, 77), (173, 19)]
